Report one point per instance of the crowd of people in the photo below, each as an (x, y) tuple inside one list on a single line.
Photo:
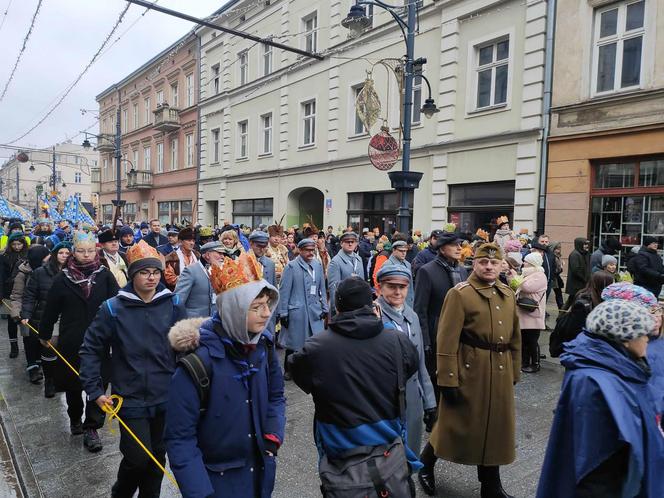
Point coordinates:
[(393, 335)]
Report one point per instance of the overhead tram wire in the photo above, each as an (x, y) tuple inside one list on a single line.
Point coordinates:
[(25, 44), (80, 76)]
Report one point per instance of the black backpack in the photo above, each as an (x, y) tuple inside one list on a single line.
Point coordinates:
[(568, 325)]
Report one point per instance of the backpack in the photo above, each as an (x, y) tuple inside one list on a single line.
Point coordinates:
[(558, 335), (371, 471), (568, 325)]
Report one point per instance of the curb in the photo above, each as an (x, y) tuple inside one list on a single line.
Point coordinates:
[(27, 485)]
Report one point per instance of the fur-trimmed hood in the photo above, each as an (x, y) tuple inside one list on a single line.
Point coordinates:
[(185, 334)]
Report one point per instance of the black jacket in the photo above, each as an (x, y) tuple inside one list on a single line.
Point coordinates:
[(350, 369), (65, 301), (648, 270), (364, 250), (431, 287), (578, 268), (423, 257), (34, 295), (155, 239), (596, 257)]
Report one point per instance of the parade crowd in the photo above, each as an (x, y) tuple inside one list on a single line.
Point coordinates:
[(409, 344)]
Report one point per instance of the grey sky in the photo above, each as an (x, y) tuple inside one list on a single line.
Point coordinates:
[(65, 37)]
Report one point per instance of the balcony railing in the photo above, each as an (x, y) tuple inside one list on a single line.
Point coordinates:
[(105, 143), (166, 118), (139, 179)]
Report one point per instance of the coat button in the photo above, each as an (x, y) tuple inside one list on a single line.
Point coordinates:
[(221, 473), (500, 367), (251, 469), (451, 374), (248, 435), (467, 365), (500, 338), (500, 322), (247, 401), (497, 307), (494, 293)]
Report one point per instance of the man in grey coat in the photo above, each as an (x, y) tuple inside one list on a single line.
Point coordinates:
[(347, 263), (194, 287), (394, 282), (302, 305), (258, 241)]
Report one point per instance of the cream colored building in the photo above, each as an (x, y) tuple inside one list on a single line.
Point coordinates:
[(21, 182), (279, 133)]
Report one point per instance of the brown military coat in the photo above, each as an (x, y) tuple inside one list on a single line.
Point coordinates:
[(479, 429)]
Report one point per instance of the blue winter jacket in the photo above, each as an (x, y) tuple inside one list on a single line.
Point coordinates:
[(221, 453), (137, 333), (605, 406), (656, 362)]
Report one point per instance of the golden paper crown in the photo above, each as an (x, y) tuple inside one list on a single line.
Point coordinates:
[(502, 219), (142, 250), (482, 234), (235, 272)]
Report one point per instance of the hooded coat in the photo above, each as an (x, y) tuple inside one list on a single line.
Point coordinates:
[(303, 300), (648, 270), (578, 268), (35, 293), (220, 453), (605, 439)]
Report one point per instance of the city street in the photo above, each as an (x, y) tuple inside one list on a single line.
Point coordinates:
[(53, 464)]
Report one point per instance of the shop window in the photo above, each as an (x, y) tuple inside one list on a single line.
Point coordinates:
[(252, 212), (477, 205), (374, 210), (175, 212), (615, 175)]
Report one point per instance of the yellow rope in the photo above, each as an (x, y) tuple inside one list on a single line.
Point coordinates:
[(112, 412)]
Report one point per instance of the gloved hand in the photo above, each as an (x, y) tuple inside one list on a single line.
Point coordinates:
[(429, 355), (450, 395), (284, 321), (323, 315), (271, 448), (430, 417)]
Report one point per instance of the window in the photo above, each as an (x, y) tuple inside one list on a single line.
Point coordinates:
[(135, 113), (215, 79), (104, 172), (267, 59), (618, 51), (147, 164), (134, 154), (215, 145), (374, 209), (78, 196), (175, 212), (252, 212), (358, 125), (125, 121), (476, 205), (309, 122), (266, 133), (190, 90), (243, 58), (77, 177), (492, 68), (417, 99), (107, 213), (174, 95), (147, 110), (129, 212), (160, 97), (309, 28), (189, 148), (174, 154), (160, 157), (243, 139)]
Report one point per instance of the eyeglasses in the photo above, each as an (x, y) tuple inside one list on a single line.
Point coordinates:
[(85, 251), (656, 310), (260, 307), (148, 273)]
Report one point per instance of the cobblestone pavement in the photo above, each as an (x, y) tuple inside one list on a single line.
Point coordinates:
[(53, 463)]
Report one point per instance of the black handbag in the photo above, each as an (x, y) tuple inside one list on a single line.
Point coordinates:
[(527, 304)]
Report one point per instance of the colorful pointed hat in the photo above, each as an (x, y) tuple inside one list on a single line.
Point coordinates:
[(142, 255), (235, 272), (83, 238)]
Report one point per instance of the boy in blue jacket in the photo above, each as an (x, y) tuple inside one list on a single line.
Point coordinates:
[(135, 325)]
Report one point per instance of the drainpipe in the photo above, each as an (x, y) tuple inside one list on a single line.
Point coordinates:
[(546, 110), (198, 131)]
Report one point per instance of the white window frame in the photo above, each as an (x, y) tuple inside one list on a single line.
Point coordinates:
[(267, 134), (125, 120), (267, 59), (134, 154), (619, 38), (243, 66), (190, 89), (189, 149), (160, 97), (308, 122), (147, 158), (214, 142), (174, 153), (310, 34), (135, 115), (473, 66), (77, 177), (416, 114), (174, 94), (353, 118), (215, 75), (147, 110), (160, 157), (242, 139)]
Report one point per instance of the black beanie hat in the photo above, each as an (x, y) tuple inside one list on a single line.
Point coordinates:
[(36, 255), (648, 239), (352, 293), (613, 244)]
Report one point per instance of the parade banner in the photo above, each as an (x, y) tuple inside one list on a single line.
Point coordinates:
[(49, 205), (75, 212)]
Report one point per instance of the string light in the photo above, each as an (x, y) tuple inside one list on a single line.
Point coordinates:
[(20, 54)]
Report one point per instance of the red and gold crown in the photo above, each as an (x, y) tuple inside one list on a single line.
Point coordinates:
[(143, 250), (482, 234), (234, 273), (502, 219)]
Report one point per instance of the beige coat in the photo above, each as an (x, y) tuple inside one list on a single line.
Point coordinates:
[(479, 428)]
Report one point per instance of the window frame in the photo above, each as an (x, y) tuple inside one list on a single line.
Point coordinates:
[(253, 212), (243, 140), (174, 153), (216, 77), (267, 59), (353, 118), (135, 113), (160, 96), (243, 66), (160, 157), (147, 158), (147, 105), (312, 34), (189, 150), (125, 120), (308, 118), (618, 39), (215, 135), (189, 85), (175, 90), (270, 130)]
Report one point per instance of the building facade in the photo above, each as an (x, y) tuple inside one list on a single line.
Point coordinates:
[(280, 134), (159, 129), (606, 152), (22, 183)]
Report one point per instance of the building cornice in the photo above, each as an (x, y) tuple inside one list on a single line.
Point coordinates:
[(620, 98), (612, 131)]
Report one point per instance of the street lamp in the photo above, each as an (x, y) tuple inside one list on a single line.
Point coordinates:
[(404, 181)]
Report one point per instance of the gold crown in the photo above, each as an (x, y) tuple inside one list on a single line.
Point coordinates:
[(502, 219), (143, 250), (235, 272), (482, 234)]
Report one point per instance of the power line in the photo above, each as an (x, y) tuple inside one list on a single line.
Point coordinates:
[(4, 14), (20, 54), (79, 77)]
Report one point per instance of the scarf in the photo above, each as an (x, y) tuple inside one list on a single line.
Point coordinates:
[(451, 269), (82, 274)]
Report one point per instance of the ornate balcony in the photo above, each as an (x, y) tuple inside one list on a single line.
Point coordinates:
[(139, 179), (166, 118), (105, 143)]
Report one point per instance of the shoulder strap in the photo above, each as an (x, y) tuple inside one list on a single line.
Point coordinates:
[(195, 367), (401, 388)]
